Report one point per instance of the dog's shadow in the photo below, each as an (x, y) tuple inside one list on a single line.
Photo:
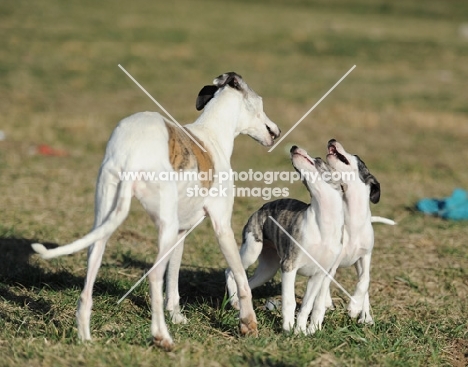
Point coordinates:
[(20, 279), (197, 283)]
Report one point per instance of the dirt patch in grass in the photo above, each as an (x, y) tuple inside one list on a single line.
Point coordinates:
[(459, 353)]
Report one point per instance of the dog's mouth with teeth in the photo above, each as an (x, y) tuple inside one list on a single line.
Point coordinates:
[(273, 135), (334, 152)]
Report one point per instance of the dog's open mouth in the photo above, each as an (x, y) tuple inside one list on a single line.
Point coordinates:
[(333, 151), (272, 133)]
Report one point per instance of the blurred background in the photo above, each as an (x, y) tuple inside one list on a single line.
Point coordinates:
[(403, 110)]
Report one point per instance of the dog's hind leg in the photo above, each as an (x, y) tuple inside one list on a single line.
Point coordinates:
[(85, 302), (105, 202), (163, 210), (268, 265), (172, 283)]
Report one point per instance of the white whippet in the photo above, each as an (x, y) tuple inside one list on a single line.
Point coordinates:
[(358, 236), (317, 227), (144, 142)]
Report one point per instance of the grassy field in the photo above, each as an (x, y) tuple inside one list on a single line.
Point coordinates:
[(403, 110)]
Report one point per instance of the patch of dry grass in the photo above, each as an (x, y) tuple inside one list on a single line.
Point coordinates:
[(403, 110)]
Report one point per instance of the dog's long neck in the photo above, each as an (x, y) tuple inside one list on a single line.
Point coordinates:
[(327, 209), (356, 207), (217, 125)]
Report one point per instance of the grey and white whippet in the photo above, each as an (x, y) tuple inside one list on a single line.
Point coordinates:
[(317, 227), (145, 142)]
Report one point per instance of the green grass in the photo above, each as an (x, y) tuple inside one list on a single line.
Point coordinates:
[(403, 110)]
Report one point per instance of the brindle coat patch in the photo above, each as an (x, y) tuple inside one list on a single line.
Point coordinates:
[(184, 154), (289, 213)]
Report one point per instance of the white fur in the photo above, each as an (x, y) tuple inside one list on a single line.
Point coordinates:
[(375, 219), (140, 143)]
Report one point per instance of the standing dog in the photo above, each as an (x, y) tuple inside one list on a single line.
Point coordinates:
[(317, 227), (358, 236), (144, 142)]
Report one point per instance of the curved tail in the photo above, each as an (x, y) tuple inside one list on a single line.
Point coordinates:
[(113, 220), (383, 220)]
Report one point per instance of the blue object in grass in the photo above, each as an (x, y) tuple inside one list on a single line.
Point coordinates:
[(453, 207)]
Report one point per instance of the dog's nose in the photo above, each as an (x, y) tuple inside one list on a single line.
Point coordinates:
[(293, 148), (331, 142)]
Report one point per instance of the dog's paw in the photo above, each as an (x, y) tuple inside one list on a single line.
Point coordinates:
[(178, 318), (234, 303), (273, 304), (248, 327), (288, 327), (366, 319), (329, 304), (165, 343), (312, 329), (300, 329), (354, 312)]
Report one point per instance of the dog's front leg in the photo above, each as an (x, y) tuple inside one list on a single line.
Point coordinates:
[(172, 283), (365, 316), (220, 216), (248, 320), (358, 307), (320, 305), (288, 295), (313, 300)]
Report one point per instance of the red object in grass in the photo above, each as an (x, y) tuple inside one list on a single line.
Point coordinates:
[(47, 150)]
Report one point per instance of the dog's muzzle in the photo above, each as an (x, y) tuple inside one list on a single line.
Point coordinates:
[(334, 152)]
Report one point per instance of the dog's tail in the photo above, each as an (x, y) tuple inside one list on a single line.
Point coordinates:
[(383, 220), (113, 220)]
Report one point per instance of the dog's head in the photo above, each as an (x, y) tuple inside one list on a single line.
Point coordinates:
[(342, 161), (252, 119), (315, 173)]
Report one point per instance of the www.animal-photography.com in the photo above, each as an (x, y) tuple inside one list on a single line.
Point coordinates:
[(236, 183)]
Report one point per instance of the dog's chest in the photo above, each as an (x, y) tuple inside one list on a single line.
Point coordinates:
[(355, 246), (351, 254)]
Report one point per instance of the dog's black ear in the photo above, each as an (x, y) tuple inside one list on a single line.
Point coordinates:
[(369, 179), (205, 95), (374, 190), (232, 79)]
